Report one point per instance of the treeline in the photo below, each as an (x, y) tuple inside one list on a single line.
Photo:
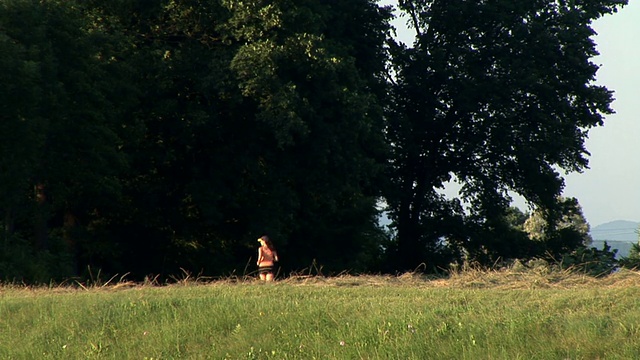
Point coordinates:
[(149, 136)]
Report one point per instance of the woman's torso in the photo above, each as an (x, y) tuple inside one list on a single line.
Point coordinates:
[(267, 256)]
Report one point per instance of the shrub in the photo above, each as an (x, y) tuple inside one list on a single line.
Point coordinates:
[(633, 260), (21, 263), (591, 261)]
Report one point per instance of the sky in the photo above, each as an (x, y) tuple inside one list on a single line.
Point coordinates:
[(610, 189)]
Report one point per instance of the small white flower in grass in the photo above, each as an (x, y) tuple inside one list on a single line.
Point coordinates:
[(145, 333), (411, 328), (341, 342), (64, 346)]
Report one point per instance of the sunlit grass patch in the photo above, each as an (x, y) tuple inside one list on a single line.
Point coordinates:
[(503, 314)]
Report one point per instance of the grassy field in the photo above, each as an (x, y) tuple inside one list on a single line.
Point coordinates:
[(471, 315)]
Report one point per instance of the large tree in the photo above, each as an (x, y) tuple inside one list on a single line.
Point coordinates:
[(255, 117), (62, 96), (498, 95), (569, 231), (20, 123), (313, 69), (164, 134)]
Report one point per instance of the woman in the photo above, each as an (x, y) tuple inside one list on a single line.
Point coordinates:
[(267, 255)]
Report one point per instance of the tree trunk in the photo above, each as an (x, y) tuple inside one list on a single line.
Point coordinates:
[(410, 249)]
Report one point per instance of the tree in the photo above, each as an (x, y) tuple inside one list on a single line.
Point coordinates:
[(496, 94), (498, 236), (632, 261), (20, 123), (256, 117), (182, 130), (63, 162), (315, 75), (568, 231)]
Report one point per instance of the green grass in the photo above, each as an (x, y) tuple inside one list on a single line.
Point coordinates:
[(472, 316)]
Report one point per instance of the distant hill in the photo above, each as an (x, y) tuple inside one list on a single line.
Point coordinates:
[(619, 234), (619, 230)]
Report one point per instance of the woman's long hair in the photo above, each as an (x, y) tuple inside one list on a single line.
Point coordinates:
[(268, 242)]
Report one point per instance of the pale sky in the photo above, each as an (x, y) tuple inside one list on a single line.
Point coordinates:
[(610, 189)]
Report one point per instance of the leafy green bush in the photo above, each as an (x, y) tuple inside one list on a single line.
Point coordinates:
[(591, 261), (21, 263), (633, 260)]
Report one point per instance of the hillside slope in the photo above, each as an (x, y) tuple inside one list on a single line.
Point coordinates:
[(619, 230)]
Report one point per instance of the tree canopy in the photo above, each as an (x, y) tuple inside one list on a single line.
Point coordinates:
[(496, 95), (146, 137)]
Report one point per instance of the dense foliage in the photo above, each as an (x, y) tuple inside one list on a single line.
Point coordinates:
[(147, 136), (496, 95)]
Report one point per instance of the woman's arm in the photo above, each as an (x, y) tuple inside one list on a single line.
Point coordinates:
[(260, 257)]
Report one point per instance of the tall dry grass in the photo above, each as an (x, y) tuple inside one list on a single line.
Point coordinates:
[(512, 313)]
